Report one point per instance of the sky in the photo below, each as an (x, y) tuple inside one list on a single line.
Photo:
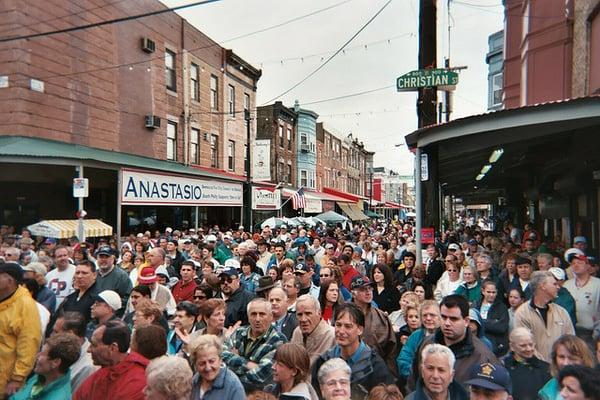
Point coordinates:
[(384, 50)]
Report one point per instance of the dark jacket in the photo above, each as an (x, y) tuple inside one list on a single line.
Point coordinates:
[(236, 307), (287, 325), (434, 272), (566, 301), (496, 326), (515, 284), (455, 392), (368, 370), (527, 377), (47, 298), (82, 305), (468, 352), (388, 300)]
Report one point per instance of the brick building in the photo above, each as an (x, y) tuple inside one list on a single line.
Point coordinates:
[(151, 95)]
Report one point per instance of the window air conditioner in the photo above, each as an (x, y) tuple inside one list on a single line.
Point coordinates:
[(152, 121), (148, 45)]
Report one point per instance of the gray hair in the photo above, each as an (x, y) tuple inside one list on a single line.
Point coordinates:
[(171, 376), (261, 301), (537, 278), (276, 289), (311, 299), (486, 258), (518, 333), (435, 348), (335, 364), (547, 256), (473, 269)]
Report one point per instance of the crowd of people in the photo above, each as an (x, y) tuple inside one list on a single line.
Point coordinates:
[(299, 313)]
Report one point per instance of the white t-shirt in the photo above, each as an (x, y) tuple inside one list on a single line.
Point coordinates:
[(61, 283), (44, 316), (587, 301)]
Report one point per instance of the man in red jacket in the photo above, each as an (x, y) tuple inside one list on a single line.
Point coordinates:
[(122, 376)]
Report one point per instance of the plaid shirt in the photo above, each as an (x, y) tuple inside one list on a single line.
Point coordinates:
[(260, 351)]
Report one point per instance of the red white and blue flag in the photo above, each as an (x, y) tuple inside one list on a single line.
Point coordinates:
[(298, 199)]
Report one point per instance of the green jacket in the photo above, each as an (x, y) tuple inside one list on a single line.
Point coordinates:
[(473, 295), (566, 301), (60, 389)]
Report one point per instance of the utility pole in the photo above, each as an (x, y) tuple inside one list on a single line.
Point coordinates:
[(248, 185), (426, 114)]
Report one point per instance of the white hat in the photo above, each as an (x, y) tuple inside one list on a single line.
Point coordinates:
[(232, 263), (111, 298), (169, 229), (453, 246), (571, 251), (210, 238), (162, 270), (558, 273)]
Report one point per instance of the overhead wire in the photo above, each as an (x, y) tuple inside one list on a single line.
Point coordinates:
[(333, 55)]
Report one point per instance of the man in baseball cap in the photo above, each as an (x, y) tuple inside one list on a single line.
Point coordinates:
[(489, 381)]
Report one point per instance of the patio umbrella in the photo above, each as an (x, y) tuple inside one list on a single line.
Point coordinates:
[(272, 222), (331, 217)]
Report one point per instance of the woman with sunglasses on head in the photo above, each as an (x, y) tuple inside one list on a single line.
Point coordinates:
[(385, 294)]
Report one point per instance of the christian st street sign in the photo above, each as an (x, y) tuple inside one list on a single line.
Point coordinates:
[(442, 78)]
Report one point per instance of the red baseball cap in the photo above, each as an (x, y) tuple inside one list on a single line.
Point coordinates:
[(147, 276)]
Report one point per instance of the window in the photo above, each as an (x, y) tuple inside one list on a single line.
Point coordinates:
[(280, 171), (303, 139), (195, 82), (281, 144), (170, 75), (231, 155), (497, 89), (289, 172), (231, 103), (311, 182), (214, 92), (246, 106), (214, 151), (245, 158), (194, 145), (303, 178), (289, 139), (171, 140)]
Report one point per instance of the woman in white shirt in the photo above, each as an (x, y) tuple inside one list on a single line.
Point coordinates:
[(450, 280)]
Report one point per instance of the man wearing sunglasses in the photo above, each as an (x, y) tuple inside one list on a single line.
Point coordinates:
[(235, 297)]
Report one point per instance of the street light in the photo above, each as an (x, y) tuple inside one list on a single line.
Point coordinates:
[(248, 184)]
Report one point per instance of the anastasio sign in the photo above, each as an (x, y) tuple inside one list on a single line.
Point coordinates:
[(145, 188)]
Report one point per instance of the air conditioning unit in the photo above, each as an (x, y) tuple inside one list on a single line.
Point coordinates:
[(305, 148), (206, 138), (148, 45), (152, 121)]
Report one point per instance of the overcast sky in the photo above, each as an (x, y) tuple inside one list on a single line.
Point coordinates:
[(289, 53)]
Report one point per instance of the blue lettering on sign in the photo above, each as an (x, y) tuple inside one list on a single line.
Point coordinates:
[(154, 190)]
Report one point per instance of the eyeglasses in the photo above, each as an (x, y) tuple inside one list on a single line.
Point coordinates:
[(228, 279), (333, 383), (324, 275)]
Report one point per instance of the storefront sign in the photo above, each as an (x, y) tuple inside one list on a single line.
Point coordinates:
[(266, 198), (145, 188), (261, 160), (427, 235), (313, 206)]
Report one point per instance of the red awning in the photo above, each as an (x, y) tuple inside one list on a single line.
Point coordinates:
[(354, 198), (287, 192), (391, 204)]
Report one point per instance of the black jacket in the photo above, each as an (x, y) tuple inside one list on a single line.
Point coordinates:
[(527, 377), (496, 326), (388, 300), (236, 307), (434, 272)]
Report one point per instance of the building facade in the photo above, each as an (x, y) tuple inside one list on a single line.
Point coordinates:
[(306, 150), (494, 59), (331, 167), (150, 94), (277, 123)]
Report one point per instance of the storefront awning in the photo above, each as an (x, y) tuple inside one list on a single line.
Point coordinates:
[(348, 196), (353, 211), (66, 228)]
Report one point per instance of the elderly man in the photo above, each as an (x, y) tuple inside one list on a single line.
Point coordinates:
[(60, 279), (44, 296), (455, 334), (250, 350), (314, 334), (235, 297), (528, 373), (159, 293), (305, 275), (110, 277), (585, 289), (546, 321), (437, 376), (284, 320), (74, 322), (122, 374), (490, 382), (20, 330), (379, 333)]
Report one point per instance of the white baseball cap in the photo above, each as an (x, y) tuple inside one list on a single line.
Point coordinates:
[(111, 298), (558, 273), (210, 238)]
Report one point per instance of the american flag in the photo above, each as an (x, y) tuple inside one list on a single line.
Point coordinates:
[(298, 199)]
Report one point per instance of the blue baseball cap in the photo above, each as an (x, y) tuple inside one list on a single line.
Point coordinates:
[(490, 376)]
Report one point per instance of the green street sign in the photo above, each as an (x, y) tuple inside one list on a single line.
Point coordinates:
[(442, 78)]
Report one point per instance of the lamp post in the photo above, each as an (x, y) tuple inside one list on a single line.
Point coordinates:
[(370, 187), (248, 184)]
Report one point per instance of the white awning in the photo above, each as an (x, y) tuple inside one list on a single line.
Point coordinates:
[(66, 228)]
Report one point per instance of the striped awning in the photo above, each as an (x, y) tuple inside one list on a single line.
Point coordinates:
[(353, 211), (66, 228)]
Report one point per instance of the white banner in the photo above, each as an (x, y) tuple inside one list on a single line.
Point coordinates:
[(261, 160), (313, 206), (145, 188), (266, 198)]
